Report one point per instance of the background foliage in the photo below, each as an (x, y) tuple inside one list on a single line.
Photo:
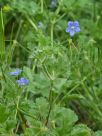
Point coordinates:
[(64, 93)]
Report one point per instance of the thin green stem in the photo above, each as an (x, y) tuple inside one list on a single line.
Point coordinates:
[(50, 105), (50, 93), (47, 72), (52, 27), (94, 10), (86, 90), (60, 17), (2, 43), (27, 114), (18, 31), (32, 23), (42, 6), (21, 120), (17, 106), (69, 92)]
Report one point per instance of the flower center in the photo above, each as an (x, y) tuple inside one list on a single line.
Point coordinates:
[(72, 27)]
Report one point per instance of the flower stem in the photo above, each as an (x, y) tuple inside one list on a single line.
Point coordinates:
[(42, 6), (50, 105), (52, 27)]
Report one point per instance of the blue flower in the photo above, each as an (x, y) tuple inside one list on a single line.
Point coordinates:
[(22, 81), (73, 27), (40, 25), (16, 72), (53, 4)]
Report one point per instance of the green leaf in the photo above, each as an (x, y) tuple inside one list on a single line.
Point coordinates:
[(28, 72), (81, 130), (68, 3), (25, 7), (65, 119), (41, 84), (42, 107), (3, 114), (98, 133)]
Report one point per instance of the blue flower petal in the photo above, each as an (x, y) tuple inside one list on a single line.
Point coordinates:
[(67, 29), (72, 32), (22, 81), (70, 23), (16, 72), (77, 29), (76, 23)]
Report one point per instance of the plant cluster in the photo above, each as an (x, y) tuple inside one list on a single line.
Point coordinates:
[(50, 68)]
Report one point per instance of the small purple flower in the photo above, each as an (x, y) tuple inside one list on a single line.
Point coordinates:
[(73, 27), (16, 72), (22, 81)]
